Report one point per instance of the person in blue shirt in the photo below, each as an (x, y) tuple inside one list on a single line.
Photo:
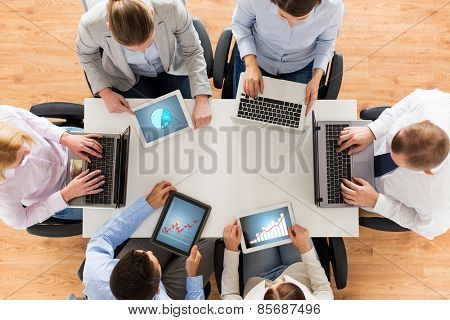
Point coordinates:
[(146, 274), (292, 40)]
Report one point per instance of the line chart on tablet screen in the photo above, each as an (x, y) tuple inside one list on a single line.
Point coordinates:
[(180, 231)]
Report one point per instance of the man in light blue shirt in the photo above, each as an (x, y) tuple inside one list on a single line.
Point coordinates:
[(139, 274), (289, 40)]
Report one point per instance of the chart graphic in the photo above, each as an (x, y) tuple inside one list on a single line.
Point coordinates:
[(176, 227), (161, 118), (266, 227), (276, 229), (180, 224)]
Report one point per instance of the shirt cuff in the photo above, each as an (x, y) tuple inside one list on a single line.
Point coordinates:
[(321, 61), (56, 202), (378, 128), (194, 283), (246, 47), (383, 205), (309, 256)]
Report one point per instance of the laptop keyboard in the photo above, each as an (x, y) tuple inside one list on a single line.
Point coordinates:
[(272, 111), (338, 164), (105, 164)]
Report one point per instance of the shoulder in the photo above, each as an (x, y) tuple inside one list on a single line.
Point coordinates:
[(333, 8), (8, 112), (167, 8), (95, 18)]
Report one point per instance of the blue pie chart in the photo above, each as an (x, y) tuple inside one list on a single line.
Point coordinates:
[(161, 118)]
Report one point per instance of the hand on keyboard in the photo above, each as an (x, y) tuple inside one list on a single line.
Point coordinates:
[(355, 138), (253, 79), (359, 193), (84, 184), (82, 145)]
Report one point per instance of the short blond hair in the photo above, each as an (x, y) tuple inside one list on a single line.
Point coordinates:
[(424, 145), (11, 139), (131, 21)]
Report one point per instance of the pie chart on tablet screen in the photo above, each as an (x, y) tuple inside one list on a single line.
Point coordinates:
[(161, 118)]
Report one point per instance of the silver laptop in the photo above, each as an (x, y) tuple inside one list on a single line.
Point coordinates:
[(113, 165), (330, 167), (282, 104)]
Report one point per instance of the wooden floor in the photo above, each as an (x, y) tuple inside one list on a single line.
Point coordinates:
[(390, 48)]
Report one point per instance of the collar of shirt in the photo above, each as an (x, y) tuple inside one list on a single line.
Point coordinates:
[(258, 291)]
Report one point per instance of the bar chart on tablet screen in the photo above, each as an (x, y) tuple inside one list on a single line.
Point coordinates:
[(276, 229), (266, 227)]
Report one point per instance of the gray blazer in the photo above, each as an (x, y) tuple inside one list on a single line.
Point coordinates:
[(175, 36)]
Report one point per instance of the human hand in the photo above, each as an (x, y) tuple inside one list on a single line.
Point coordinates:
[(253, 79), (115, 102), (300, 238), (193, 261), (201, 116), (82, 144), (361, 194), (232, 236), (312, 89), (355, 138), (159, 194), (83, 184)]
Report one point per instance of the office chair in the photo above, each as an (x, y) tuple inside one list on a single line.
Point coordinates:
[(73, 114), (378, 223), (331, 252), (330, 84), (206, 288), (206, 45)]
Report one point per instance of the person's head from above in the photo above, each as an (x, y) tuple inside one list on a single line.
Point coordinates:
[(282, 290), (15, 145), (136, 276), (131, 23), (294, 11), (421, 146)]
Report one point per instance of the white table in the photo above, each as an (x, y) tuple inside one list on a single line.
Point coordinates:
[(208, 165)]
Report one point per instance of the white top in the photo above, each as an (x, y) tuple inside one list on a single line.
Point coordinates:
[(37, 182), (308, 275), (413, 199)]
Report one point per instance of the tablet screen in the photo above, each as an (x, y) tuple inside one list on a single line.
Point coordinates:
[(181, 224), (266, 227), (161, 119)]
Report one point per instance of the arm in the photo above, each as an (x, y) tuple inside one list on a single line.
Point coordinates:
[(319, 282), (230, 276), (418, 221), (89, 55), (326, 41), (41, 125), (189, 42), (18, 217), (381, 126), (100, 249), (194, 288), (243, 20)]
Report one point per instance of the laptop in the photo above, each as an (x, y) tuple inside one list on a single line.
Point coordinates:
[(330, 167), (113, 165), (282, 104)]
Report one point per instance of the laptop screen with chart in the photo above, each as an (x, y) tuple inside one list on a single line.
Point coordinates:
[(180, 224), (266, 228), (161, 118)]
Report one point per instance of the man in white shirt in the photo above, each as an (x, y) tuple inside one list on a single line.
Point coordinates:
[(289, 272), (414, 190)]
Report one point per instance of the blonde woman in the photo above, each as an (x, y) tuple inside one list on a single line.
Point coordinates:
[(150, 48), (33, 161)]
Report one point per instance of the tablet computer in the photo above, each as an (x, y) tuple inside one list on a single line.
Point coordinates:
[(266, 227), (181, 223), (162, 118)]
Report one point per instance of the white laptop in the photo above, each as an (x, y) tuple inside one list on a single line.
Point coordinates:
[(282, 104)]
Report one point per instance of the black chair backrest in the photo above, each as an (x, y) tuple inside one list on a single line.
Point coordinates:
[(206, 45)]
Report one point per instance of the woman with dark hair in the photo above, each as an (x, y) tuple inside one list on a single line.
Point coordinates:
[(292, 40)]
